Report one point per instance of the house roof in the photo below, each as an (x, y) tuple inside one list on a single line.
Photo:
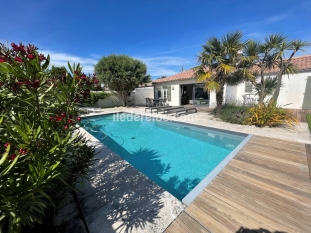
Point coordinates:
[(184, 75), (302, 63)]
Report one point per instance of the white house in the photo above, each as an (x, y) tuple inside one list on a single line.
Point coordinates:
[(182, 88)]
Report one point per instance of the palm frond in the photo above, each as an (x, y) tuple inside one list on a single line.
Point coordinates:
[(225, 68), (212, 86), (203, 77)]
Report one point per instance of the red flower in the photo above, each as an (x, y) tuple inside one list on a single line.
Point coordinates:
[(78, 118), (30, 56), (41, 57), (58, 119), (12, 157), (69, 121), (18, 84), (23, 151), (13, 45), (63, 114), (18, 59), (65, 126), (2, 59), (21, 48), (36, 84), (6, 144)]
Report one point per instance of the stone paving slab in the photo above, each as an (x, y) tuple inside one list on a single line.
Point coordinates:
[(119, 198)]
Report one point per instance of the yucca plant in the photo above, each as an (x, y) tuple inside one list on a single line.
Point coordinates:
[(41, 154), (268, 114)]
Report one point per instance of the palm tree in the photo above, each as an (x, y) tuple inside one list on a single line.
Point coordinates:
[(220, 64), (269, 84), (285, 66), (263, 56)]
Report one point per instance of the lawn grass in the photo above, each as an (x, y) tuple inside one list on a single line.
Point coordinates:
[(309, 120)]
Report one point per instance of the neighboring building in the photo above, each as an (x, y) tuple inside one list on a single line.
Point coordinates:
[(182, 88)]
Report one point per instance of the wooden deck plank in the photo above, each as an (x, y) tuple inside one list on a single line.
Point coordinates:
[(266, 191), (209, 222), (175, 227), (270, 187), (308, 152), (228, 213), (285, 171), (273, 201), (266, 186), (189, 224), (292, 185), (270, 216)]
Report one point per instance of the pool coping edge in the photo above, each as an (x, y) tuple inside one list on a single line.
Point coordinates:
[(205, 182)]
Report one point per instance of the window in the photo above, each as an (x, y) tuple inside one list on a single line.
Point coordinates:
[(159, 92), (165, 93), (248, 87)]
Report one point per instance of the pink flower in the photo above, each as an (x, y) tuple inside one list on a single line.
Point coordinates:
[(30, 56), (18, 59), (6, 145), (41, 57), (65, 126), (69, 121), (23, 151), (63, 114), (78, 118), (13, 45)]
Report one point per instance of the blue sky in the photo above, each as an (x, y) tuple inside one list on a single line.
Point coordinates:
[(165, 34)]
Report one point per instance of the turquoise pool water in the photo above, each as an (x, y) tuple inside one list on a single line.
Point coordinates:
[(175, 156)]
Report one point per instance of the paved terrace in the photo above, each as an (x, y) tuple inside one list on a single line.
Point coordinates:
[(266, 186)]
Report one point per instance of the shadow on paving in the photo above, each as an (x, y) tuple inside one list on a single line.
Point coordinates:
[(261, 230), (119, 198)]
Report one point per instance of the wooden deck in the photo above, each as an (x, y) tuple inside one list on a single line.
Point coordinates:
[(300, 114), (266, 186)]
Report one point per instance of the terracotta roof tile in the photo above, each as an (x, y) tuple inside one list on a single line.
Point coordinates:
[(302, 63)]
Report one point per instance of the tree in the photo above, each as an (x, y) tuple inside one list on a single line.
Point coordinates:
[(122, 74), (269, 85), (42, 153), (57, 72), (271, 54), (285, 66), (263, 56), (220, 64)]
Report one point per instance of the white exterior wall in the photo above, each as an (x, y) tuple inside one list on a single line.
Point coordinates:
[(292, 90), (141, 93), (175, 90), (291, 93), (112, 101), (235, 93)]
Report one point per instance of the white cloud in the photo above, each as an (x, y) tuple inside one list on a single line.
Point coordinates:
[(166, 65), (276, 18), (61, 59)]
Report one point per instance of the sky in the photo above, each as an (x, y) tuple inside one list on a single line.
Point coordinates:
[(167, 35)]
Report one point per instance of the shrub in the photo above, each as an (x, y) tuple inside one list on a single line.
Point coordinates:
[(270, 115), (234, 113), (308, 116), (42, 155)]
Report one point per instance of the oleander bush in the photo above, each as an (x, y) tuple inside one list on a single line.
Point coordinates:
[(42, 155), (268, 114)]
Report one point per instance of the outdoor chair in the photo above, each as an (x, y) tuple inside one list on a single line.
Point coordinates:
[(148, 103)]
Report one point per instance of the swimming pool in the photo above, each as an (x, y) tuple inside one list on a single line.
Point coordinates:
[(176, 156)]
